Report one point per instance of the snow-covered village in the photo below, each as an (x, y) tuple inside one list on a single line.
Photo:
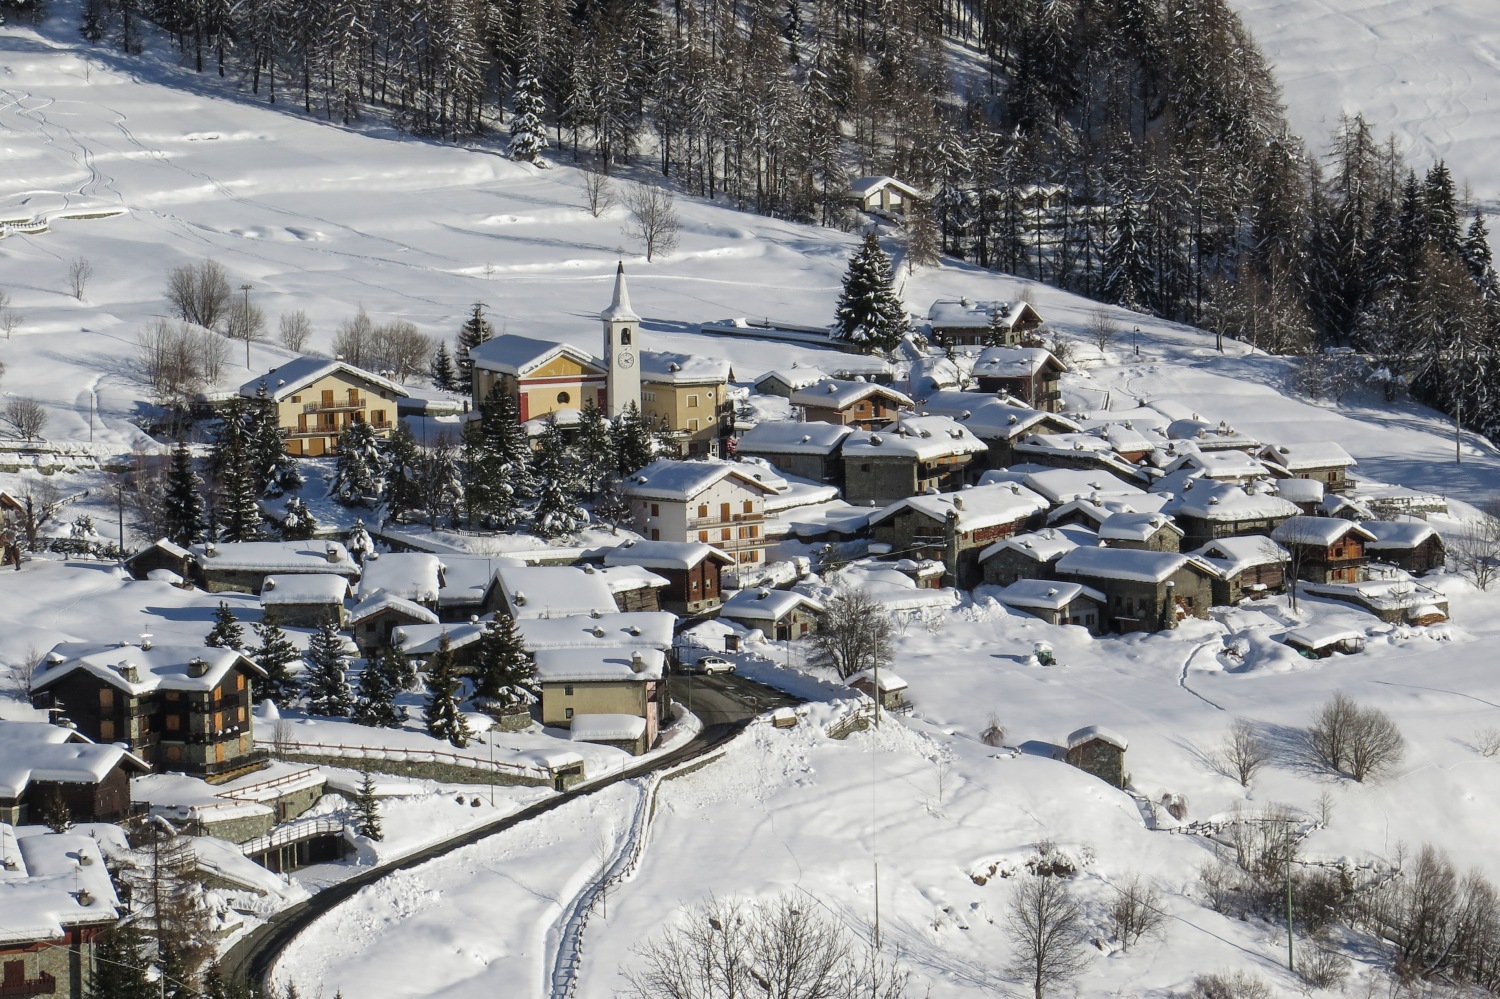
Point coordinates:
[(809, 500)]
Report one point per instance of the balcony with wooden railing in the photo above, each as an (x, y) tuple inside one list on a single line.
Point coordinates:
[(333, 431), (42, 985), (703, 523), (358, 402)]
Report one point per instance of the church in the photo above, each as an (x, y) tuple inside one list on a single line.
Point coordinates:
[(684, 394)]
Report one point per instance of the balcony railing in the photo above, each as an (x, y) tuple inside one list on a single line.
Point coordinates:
[(42, 985), (698, 523), (332, 431), (736, 544), (324, 407)]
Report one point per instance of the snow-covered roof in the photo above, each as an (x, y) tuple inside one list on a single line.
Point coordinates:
[(539, 591), (40, 751), (673, 479), (1225, 501), (467, 578), (1100, 508), (1089, 733), (1226, 464), (413, 575), (628, 629), (1208, 436), (295, 375), (663, 368), (422, 640), (626, 578), (161, 667), (1059, 485), (793, 378), (763, 604), (1305, 530), (948, 313), (921, 437), (665, 554), (787, 437), (1045, 594), (379, 602), (1124, 563), (268, 557), (619, 310), (866, 186), (303, 588), (976, 508), (1234, 555), (51, 882), (889, 681), (164, 545), (1014, 362), (1135, 526), (1320, 636), (1391, 535), (1309, 455), (1300, 490), (519, 355), (1124, 438), (840, 393), (1044, 546), (607, 728), (990, 417), (584, 665)]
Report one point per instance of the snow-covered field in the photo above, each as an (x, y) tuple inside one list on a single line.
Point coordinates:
[(327, 219)]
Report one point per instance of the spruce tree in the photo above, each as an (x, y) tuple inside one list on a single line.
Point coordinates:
[(119, 967), (378, 686), (558, 510), (403, 491), (499, 485), (182, 504), (216, 986), (299, 523), (594, 447), (367, 809), (326, 682), (271, 465), (475, 331), (1440, 223), (275, 654), (1128, 277), (359, 468), (227, 632), (444, 375), (239, 510), (528, 132), (868, 311), (634, 448), (505, 672), (232, 461), (1477, 258), (444, 719)]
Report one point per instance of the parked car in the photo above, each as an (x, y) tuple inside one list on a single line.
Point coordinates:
[(714, 664)]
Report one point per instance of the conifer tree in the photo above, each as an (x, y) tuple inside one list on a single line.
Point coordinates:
[(299, 523), (505, 672), (444, 375), (475, 331), (275, 654), (232, 461), (359, 468), (634, 448), (868, 311), (119, 965), (216, 986), (444, 719), (1477, 258), (403, 492), (558, 510), (1128, 277), (499, 485), (271, 465), (367, 809), (528, 133), (594, 447), (377, 705), (227, 632), (182, 504), (326, 681)]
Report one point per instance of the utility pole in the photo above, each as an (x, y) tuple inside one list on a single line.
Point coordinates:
[(245, 321), (1291, 961)]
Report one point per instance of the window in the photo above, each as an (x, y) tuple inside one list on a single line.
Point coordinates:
[(174, 752), (174, 722), (296, 398), (724, 534), (568, 690), (692, 426), (567, 712), (625, 337), (702, 510), (106, 698), (564, 398), (724, 511), (703, 537), (107, 730), (693, 401), (749, 507), (656, 509), (378, 416), (239, 681), (655, 534)]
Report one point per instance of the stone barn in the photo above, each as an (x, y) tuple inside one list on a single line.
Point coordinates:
[(1101, 752)]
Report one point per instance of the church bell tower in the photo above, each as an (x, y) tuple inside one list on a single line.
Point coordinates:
[(621, 350)]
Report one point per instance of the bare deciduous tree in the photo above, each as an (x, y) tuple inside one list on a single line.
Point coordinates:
[(1101, 328), (246, 320), (10, 319), (994, 732), (79, 272), (653, 218), (27, 416), (854, 634), (180, 361), (1230, 985), (1362, 742), (400, 348), (354, 339), (1487, 742), (1045, 923), (200, 293), (1243, 753), (295, 329), (1137, 911), (1475, 548), (41, 501), (598, 192)]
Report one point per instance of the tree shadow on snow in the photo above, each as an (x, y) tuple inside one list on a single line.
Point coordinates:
[(1291, 751)]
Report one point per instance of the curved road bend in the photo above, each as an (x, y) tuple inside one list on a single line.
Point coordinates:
[(726, 703)]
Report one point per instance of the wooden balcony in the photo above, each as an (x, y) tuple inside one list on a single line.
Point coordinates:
[(358, 402), (42, 985)]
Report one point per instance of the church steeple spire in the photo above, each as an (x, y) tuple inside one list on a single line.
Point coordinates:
[(622, 372), (619, 308)]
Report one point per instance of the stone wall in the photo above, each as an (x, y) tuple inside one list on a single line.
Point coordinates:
[(448, 772)]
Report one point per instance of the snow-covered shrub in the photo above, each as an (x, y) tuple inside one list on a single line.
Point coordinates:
[(1229, 985), (1321, 967)]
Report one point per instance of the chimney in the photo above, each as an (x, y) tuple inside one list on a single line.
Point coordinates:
[(129, 672), (958, 502), (637, 662), (332, 552), (210, 549), (269, 584), (520, 599), (588, 567), (597, 631), (197, 666), (146, 641)]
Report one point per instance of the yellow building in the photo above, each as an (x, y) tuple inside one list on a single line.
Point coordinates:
[(317, 398), (541, 377), (690, 394)]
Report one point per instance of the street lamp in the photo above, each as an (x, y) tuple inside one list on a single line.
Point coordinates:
[(245, 320)]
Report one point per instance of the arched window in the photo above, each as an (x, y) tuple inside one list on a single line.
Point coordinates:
[(625, 337), (564, 398)]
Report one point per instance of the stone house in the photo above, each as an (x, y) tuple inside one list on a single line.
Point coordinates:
[(1144, 590), (1029, 556), (997, 420), (852, 403), (541, 377), (414, 576), (885, 196), (1249, 566), (956, 527), (1030, 374), (1306, 495), (57, 898), (1101, 752), (614, 696), (962, 323), (181, 708), (1075, 450), (785, 381), (890, 690), (1209, 511), (163, 556), (306, 600), (1056, 602), (243, 566), (1324, 549), (420, 642), (1320, 461), (916, 454), (466, 584), (375, 619), (807, 450), (1412, 545), (316, 399), (41, 762), (1063, 485), (1152, 532), (688, 396), (779, 614), (712, 502), (1201, 435), (692, 570), (539, 591)]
